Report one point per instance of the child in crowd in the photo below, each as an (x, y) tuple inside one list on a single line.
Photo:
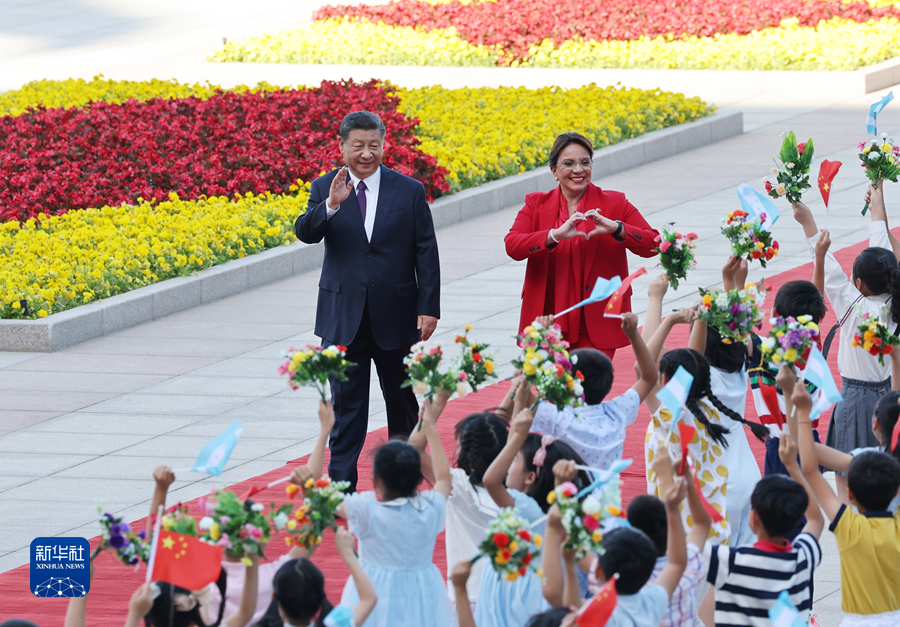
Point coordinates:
[(868, 541), (874, 290), (597, 431), (470, 509), (648, 513), (299, 592), (397, 531), (211, 597), (748, 579), (521, 476)]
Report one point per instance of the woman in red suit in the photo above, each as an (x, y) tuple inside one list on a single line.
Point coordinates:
[(570, 236)]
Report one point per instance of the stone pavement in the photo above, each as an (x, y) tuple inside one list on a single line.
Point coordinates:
[(91, 422)]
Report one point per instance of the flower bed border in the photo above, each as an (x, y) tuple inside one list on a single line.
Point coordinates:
[(152, 302)]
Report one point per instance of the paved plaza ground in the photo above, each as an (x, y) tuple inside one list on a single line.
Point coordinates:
[(91, 422)]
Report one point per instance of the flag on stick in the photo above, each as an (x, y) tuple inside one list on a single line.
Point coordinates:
[(614, 306), (818, 373), (712, 511), (784, 614), (874, 110), (759, 205), (215, 454), (185, 561), (827, 171), (687, 433), (603, 289), (675, 392), (596, 612)]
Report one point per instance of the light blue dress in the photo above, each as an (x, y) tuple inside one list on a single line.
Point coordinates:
[(511, 603), (396, 545)]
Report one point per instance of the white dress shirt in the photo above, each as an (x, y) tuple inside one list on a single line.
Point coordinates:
[(855, 363), (373, 184)]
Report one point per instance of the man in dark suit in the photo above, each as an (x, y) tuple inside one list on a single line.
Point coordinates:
[(380, 286)]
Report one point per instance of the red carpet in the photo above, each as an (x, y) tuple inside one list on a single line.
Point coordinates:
[(113, 583)]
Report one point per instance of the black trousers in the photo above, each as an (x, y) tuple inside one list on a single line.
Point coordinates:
[(351, 401)]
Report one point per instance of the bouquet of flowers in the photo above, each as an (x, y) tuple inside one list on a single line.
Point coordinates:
[(791, 169), (748, 237), (427, 372), (178, 520), (239, 527), (881, 160), (510, 545), (873, 336), (676, 254), (586, 520), (317, 512), (790, 340), (474, 364), (545, 361), (734, 314), (130, 547), (313, 365)]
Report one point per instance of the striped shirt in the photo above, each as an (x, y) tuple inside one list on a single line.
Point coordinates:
[(748, 579)]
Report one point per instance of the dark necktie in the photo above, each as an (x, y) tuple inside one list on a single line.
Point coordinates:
[(361, 196)]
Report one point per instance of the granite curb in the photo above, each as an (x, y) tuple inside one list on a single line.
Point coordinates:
[(146, 304)]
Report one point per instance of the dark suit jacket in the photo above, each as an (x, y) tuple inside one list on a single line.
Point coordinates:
[(398, 271)]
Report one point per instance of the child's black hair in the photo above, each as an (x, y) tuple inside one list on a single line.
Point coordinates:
[(299, 588), (800, 298), (631, 554), (874, 478), (597, 370), (544, 482), (648, 513), (878, 269), (163, 613), (698, 367), (551, 618), (780, 502), (481, 437), (398, 466), (727, 356), (888, 411)]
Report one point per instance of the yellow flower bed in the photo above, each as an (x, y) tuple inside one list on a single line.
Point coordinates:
[(488, 133), (64, 261), (364, 43), (836, 44)]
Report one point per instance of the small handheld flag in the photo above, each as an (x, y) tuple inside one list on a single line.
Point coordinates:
[(215, 454), (757, 204), (614, 306), (827, 171), (874, 110), (185, 561), (606, 476), (687, 433), (818, 373), (597, 611), (784, 614), (603, 289), (715, 514), (675, 392)]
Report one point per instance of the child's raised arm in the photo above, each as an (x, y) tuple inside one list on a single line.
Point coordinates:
[(164, 477), (808, 460), (645, 363), (249, 595), (417, 439), (551, 559), (655, 345), (367, 597), (805, 218), (822, 247), (878, 212), (443, 482), (701, 518), (495, 475), (787, 451), (312, 469), (734, 272), (653, 317), (141, 602), (459, 577), (677, 549)]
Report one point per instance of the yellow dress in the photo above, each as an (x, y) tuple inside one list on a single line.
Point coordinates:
[(712, 473)]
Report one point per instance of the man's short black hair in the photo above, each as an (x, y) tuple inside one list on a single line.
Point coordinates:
[(597, 370), (780, 503), (873, 479), (648, 513), (631, 554), (363, 121), (800, 298)]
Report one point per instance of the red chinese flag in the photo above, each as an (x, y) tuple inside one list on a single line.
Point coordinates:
[(614, 306), (895, 435), (687, 435), (597, 612), (186, 561), (712, 511), (827, 171)]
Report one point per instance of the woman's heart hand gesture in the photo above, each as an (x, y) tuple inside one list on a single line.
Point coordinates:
[(569, 228), (602, 224)]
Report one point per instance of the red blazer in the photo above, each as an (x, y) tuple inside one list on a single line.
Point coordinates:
[(528, 235)]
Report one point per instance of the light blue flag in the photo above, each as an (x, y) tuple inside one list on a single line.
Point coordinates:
[(215, 454), (784, 614), (606, 476), (874, 110), (818, 373), (603, 289), (675, 392), (757, 204)]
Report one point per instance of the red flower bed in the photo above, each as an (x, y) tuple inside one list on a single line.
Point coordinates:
[(515, 25), (54, 160)]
